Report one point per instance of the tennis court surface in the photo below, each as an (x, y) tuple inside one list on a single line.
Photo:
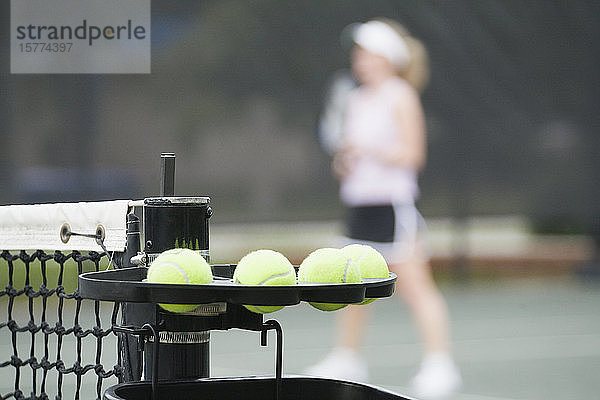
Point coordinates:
[(516, 335), (515, 338)]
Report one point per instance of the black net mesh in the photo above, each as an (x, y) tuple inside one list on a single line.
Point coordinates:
[(51, 340)]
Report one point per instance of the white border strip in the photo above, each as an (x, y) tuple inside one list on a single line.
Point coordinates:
[(37, 226)]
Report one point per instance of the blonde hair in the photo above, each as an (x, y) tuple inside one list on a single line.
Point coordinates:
[(416, 73)]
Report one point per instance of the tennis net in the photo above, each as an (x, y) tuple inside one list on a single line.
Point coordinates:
[(51, 339)]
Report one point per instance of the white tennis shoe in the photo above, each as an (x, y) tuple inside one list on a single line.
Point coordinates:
[(437, 379), (343, 364)]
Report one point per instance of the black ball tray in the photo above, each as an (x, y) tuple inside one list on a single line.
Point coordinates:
[(128, 285)]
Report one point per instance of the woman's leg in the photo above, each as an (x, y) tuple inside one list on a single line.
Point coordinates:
[(416, 287), (351, 326), (438, 376), (344, 361)]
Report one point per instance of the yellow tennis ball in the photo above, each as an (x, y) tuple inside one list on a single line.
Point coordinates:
[(264, 267), (328, 265), (180, 266), (370, 262)]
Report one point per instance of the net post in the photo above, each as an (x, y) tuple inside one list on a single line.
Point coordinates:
[(130, 348), (133, 245)]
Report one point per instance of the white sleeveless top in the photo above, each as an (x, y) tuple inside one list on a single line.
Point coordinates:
[(371, 123)]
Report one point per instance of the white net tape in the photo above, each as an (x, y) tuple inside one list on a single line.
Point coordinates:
[(38, 226)]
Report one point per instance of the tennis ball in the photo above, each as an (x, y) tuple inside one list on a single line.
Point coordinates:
[(328, 265), (370, 262), (264, 267), (179, 266)]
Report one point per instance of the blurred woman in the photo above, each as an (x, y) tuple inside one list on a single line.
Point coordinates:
[(377, 161)]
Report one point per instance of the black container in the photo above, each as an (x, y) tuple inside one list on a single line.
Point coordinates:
[(252, 388), (171, 222), (185, 356), (176, 222)]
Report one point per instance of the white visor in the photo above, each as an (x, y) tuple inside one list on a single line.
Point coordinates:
[(379, 38)]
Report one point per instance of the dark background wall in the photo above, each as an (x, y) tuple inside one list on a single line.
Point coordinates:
[(512, 111)]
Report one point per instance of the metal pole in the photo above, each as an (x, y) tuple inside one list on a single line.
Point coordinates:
[(167, 174)]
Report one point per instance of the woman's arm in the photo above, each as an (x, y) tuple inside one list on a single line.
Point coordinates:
[(412, 147)]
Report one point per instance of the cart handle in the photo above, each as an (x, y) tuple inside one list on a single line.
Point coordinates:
[(268, 325), (146, 330)]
